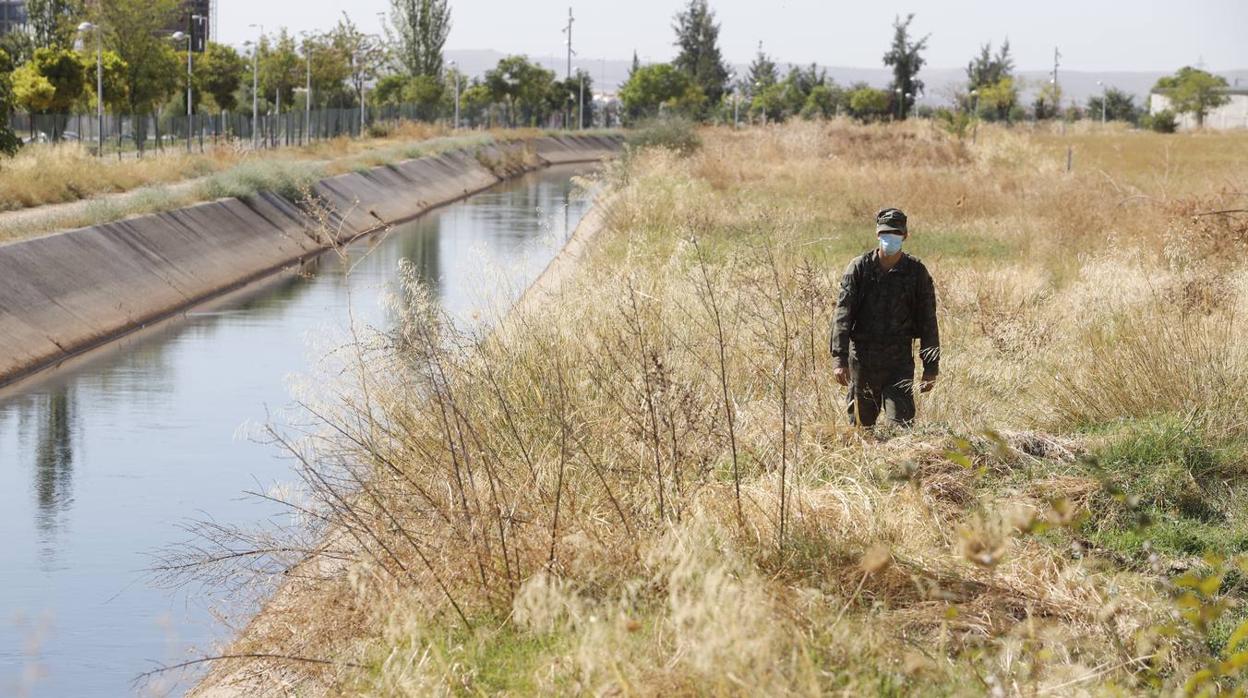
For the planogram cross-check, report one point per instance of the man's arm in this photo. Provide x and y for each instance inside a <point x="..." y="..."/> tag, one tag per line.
<point x="929" y="332"/>
<point x="843" y="320"/>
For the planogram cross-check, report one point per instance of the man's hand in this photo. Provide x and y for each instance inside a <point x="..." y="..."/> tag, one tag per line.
<point x="841" y="374"/>
<point x="928" y="382"/>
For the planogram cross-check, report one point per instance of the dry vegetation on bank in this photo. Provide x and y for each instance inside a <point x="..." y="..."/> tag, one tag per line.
<point x="42" y="175"/>
<point x="646" y="486"/>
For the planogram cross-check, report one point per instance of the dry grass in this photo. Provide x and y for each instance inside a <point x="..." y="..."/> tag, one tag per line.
<point x="646" y="487"/>
<point x="51" y="174"/>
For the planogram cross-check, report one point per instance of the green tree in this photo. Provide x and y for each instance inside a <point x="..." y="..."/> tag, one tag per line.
<point x="219" y="74"/>
<point x="330" y="70"/>
<point x="52" y="82"/>
<point x="906" y="58"/>
<point x="19" y="45"/>
<point x="523" y="87"/>
<point x="114" y="74"/>
<point x="9" y="142"/>
<point x="281" y="69"/>
<point x="569" y="93"/>
<point x="697" y="37"/>
<point x="420" y="31"/>
<point x="992" y="76"/>
<point x="635" y="65"/>
<point x="1047" y="104"/>
<point x="136" y="30"/>
<point x="762" y="73"/>
<point x="821" y="103"/>
<point x="475" y="103"/>
<point x="867" y="103"/>
<point x="53" y="23"/>
<point x="987" y="68"/>
<point x="1194" y="91"/>
<point x="364" y="53"/>
<point x="655" y="86"/>
<point x="1118" y="106"/>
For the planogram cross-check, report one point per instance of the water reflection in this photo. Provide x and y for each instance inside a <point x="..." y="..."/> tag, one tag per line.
<point x="54" y="460"/>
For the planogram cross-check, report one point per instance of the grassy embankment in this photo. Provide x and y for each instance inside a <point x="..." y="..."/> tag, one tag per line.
<point x="42" y="175"/>
<point x="646" y="486"/>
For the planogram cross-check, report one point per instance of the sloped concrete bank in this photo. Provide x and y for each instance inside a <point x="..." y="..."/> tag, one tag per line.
<point x="66" y="293"/>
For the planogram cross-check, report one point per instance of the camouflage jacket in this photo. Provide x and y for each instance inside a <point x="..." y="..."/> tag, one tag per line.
<point x="886" y="308"/>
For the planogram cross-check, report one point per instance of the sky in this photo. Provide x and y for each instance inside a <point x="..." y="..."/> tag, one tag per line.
<point x="1093" y="35"/>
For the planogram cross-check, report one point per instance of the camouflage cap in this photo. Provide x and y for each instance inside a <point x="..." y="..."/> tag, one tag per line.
<point x="890" y="220"/>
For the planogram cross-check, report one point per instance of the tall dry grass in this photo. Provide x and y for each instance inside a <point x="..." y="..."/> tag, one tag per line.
<point x="646" y="486"/>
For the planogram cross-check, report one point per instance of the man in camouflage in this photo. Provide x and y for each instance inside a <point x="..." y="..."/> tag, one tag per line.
<point x="887" y="300"/>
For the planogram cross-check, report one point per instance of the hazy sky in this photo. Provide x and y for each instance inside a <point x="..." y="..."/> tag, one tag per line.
<point x="1093" y="35"/>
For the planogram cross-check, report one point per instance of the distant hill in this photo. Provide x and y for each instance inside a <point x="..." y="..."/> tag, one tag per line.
<point x="941" y="83"/>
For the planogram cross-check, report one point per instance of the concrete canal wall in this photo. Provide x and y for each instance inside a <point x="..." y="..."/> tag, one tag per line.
<point x="65" y="293"/>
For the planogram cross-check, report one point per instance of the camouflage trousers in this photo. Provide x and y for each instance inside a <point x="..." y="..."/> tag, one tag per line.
<point x="881" y="378"/>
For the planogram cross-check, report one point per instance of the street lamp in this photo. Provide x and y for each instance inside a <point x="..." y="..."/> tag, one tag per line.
<point x="255" y="86"/>
<point x="1103" y="100"/>
<point x="732" y="79"/>
<point x="99" y="86"/>
<point x="307" y="97"/>
<point x="900" y="104"/>
<point x="455" y="77"/>
<point x="190" y="115"/>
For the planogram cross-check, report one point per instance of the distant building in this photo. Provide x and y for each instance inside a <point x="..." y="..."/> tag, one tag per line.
<point x="12" y="15"/>
<point x="200" y="30"/>
<point x="1233" y="114"/>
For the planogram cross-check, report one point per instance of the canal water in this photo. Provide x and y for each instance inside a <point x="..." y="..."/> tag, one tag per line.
<point x="103" y="461"/>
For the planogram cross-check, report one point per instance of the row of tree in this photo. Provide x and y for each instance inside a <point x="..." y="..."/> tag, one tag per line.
<point x="698" y="84"/>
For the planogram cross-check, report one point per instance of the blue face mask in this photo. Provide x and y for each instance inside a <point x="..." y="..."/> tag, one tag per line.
<point x="890" y="243"/>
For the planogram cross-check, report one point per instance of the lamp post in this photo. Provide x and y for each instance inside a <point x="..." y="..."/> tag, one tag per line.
<point x="307" y="96"/>
<point x="900" y="104"/>
<point x="732" y="79"/>
<point x="1103" y="100"/>
<point x="455" y="77"/>
<point x="99" y="87"/>
<point x="975" y="116"/>
<point x="190" y="114"/>
<point x="255" y="87"/>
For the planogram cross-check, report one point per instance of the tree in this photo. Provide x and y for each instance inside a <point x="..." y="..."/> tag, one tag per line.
<point x="53" y="23"/>
<point x="475" y="103"/>
<point x="114" y="74"/>
<point x="9" y="142"/>
<point x="219" y="74"/>
<point x="697" y="37"/>
<point x="635" y="65"/>
<point x="1047" y="104"/>
<point x="330" y="70"/>
<point x="987" y="69"/>
<point x="569" y="92"/>
<point x="762" y="72"/>
<point x="867" y="103"/>
<point x="136" y="30"/>
<point x="1194" y="91"/>
<point x="1118" y="106"/>
<point x="364" y="54"/>
<point x="421" y="27"/>
<point x="280" y="68"/>
<point x="51" y="83"/>
<point x="656" y="86"/>
<point x="19" y="45"/>
<point x="821" y="102"/>
<point x="905" y="56"/>
<point x="992" y="76"/>
<point x="522" y="86"/>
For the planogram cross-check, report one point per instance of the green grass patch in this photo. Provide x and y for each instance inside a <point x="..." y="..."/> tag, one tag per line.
<point x="1169" y="485"/>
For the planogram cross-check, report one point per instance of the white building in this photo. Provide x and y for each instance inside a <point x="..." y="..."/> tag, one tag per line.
<point x="1233" y="114"/>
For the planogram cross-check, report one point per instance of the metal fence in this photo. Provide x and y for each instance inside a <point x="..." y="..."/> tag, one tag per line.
<point x="120" y="134"/>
